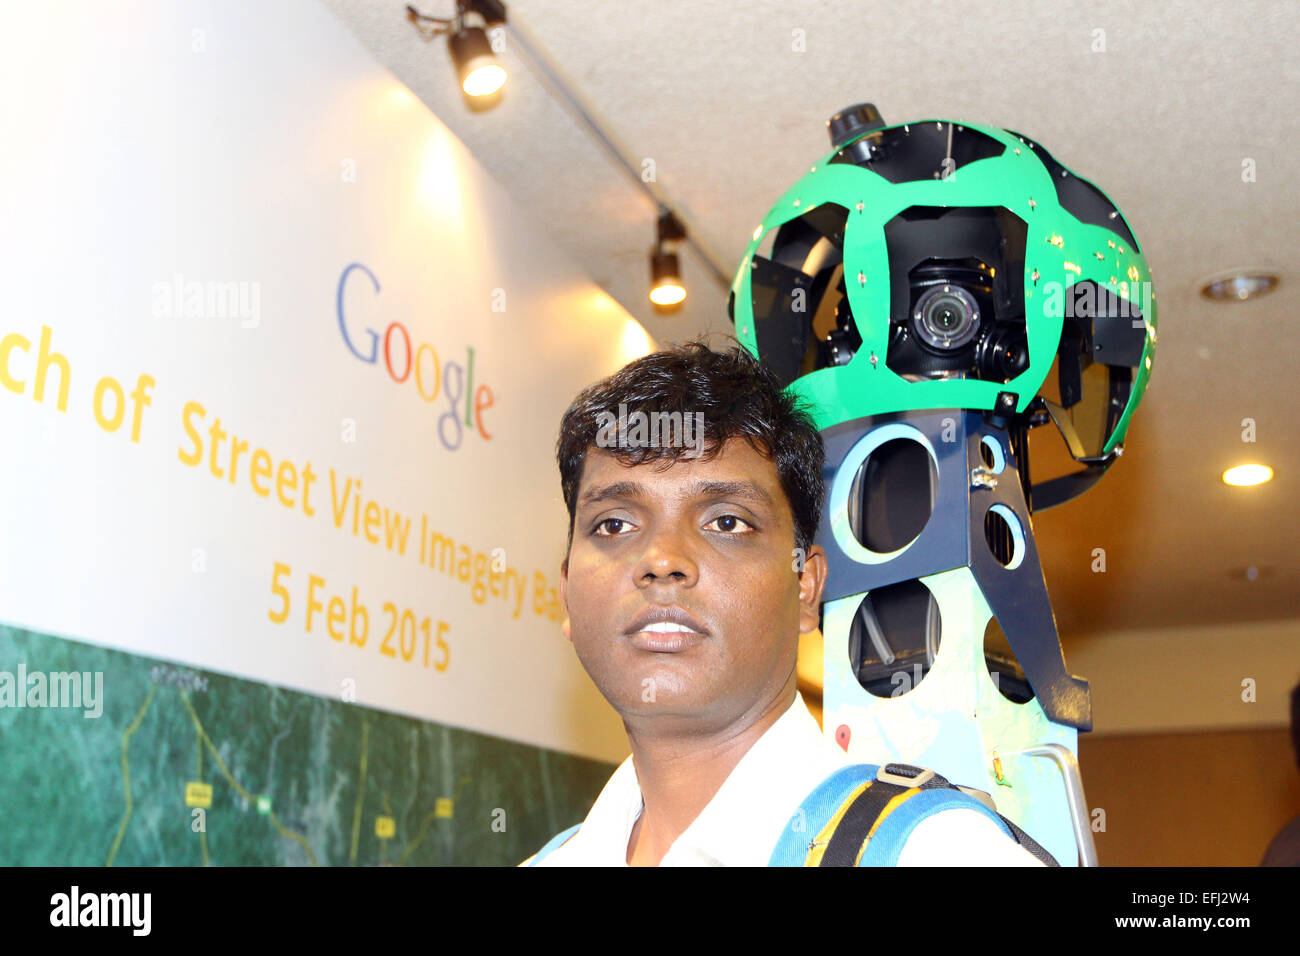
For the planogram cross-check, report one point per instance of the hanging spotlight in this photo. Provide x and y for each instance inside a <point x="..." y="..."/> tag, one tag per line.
<point x="665" y="272"/>
<point x="666" y="288"/>
<point x="476" y="65"/>
<point x="471" y="52"/>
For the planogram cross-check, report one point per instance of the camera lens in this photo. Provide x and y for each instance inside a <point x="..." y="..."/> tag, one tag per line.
<point x="946" y="317"/>
<point x="1003" y="353"/>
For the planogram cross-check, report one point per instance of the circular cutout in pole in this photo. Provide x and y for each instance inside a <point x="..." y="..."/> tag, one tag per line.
<point x="1003" y="667"/>
<point x="884" y="493"/>
<point x="992" y="454"/>
<point x="894" y="638"/>
<point x="1005" y="536"/>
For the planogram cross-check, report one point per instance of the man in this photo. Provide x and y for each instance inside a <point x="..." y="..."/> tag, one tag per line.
<point x="1284" y="849"/>
<point x="690" y="574"/>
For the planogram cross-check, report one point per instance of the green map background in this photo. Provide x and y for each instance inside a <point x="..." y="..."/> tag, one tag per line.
<point x="63" y="801"/>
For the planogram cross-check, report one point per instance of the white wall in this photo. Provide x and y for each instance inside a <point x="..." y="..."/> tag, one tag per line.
<point x="186" y="148"/>
<point x="1189" y="679"/>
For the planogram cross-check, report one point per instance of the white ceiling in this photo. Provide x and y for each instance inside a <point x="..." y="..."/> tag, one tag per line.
<point x="1161" y="120"/>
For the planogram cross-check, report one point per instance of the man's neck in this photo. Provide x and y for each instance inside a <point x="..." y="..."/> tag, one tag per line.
<point x="679" y="775"/>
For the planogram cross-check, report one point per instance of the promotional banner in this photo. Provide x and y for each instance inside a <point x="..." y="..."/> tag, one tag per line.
<point x="281" y="373"/>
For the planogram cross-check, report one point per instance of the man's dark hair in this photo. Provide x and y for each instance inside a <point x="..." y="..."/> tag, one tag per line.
<point x="737" y="396"/>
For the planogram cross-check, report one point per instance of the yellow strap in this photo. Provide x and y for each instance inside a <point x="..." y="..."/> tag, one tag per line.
<point x="817" y="849"/>
<point x="890" y="807"/>
<point x="818" y="846"/>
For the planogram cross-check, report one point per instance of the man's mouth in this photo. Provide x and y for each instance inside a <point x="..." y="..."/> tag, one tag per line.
<point x="665" y="630"/>
<point x="665" y="638"/>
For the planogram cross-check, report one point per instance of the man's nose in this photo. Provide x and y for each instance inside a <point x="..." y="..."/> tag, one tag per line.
<point x="667" y="557"/>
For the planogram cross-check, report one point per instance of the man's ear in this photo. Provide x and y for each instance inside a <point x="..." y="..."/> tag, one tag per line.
<point x="564" y="598"/>
<point x="812" y="580"/>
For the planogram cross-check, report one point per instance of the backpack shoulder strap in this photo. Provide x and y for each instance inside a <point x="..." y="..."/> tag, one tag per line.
<point x="906" y="796"/>
<point x="804" y="838"/>
<point x="554" y="842"/>
<point x="862" y="815"/>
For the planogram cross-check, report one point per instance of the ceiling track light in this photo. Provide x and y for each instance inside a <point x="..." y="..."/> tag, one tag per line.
<point x="477" y="69"/>
<point x="666" y="288"/>
<point x="535" y="57"/>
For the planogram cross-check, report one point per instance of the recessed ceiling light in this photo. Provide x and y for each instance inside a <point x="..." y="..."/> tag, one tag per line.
<point x="1239" y="286"/>
<point x="1251" y="474"/>
<point x="1251" y="573"/>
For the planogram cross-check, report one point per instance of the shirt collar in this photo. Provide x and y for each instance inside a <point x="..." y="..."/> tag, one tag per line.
<point x="741" y="823"/>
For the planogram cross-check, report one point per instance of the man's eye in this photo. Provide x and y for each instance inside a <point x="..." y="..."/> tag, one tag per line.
<point x="618" y="522"/>
<point x="730" y="523"/>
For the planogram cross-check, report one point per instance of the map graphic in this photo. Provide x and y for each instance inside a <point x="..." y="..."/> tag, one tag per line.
<point x="185" y="767"/>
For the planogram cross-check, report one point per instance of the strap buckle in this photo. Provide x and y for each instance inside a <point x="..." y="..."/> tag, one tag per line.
<point x="981" y="795"/>
<point x="898" y="774"/>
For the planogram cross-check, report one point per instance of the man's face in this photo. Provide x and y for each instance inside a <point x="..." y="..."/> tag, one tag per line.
<point x="713" y="539"/>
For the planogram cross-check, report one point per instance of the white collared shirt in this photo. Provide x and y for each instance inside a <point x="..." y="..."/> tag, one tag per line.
<point x="742" y="823"/>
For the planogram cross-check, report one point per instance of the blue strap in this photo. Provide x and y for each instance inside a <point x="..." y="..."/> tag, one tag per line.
<point x="829" y="796"/>
<point x="554" y="842"/>
<point x="885" y="846"/>
<point x="815" y="811"/>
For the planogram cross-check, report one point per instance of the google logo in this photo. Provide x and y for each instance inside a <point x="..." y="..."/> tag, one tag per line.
<point x="420" y="364"/>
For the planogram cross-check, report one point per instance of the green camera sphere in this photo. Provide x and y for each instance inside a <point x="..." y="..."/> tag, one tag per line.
<point x="941" y="264"/>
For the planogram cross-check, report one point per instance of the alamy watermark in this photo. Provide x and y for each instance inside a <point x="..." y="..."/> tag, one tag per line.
<point x="180" y="299"/>
<point x="655" y="430"/>
<point x="84" y="690"/>
<point x="75" y="908"/>
<point x="1132" y="300"/>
